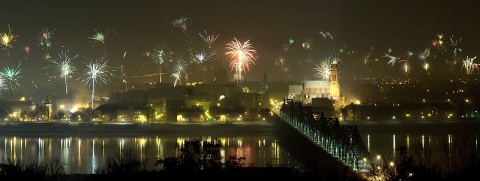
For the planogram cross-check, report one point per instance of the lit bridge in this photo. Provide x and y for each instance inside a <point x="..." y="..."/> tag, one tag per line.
<point x="342" y="142"/>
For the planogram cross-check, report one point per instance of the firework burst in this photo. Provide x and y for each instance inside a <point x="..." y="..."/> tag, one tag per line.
<point x="307" y="44"/>
<point x="209" y="39"/>
<point x="181" y="65"/>
<point x="391" y="59"/>
<point x="424" y="55"/>
<point x="326" y="35"/>
<point x="96" y="73"/>
<point x="438" y="43"/>
<point x="242" y="56"/>
<point x="26" y="49"/>
<point x="281" y="62"/>
<point x="101" y="38"/>
<point x="47" y="57"/>
<point x="7" y="39"/>
<point x="454" y="43"/>
<point x="10" y="78"/>
<point x="159" y="56"/>
<point x="179" y="69"/>
<point x="65" y="67"/>
<point x="45" y="37"/>
<point x="200" y="58"/>
<point x="181" y="23"/>
<point x="469" y="65"/>
<point x="323" y="69"/>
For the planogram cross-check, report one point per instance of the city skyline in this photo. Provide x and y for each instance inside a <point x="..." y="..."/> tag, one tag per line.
<point x="366" y="38"/>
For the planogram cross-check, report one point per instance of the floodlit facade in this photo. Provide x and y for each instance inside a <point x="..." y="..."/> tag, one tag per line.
<point x="319" y="89"/>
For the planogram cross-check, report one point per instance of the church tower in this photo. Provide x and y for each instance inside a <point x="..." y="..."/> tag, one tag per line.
<point x="47" y="110"/>
<point x="337" y="97"/>
<point x="334" y="85"/>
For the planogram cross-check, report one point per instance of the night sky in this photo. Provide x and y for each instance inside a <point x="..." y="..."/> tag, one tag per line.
<point x="357" y="28"/>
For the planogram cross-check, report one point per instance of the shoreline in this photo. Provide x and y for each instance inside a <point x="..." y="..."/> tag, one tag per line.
<point x="213" y="129"/>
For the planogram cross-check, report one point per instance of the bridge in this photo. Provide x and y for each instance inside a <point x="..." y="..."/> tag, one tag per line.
<point x="341" y="142"/>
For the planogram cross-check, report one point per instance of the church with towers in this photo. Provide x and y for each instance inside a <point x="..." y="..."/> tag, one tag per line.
<point x="320" y="93"/>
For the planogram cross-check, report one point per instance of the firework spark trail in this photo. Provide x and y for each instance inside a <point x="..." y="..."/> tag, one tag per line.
<point x="469" y="65"/>
<point x="10" y="78"/>
<point x="242" y="56"/>
<point x="65" y="67"/>
<point x="159" y="56"/>
<point x="426" y="66"/>
<point x="325" y="35"/>
<point x="97" y="72"/>
<point x="176" y="76"/>
<point x="406" y="64"/>
<point x="454" y="43"/>
<point x="366" y="57"/>
<point x="392" y="59"/>
<point x="7" y="39"/>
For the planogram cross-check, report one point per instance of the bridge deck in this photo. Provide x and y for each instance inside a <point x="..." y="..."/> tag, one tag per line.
<point x="342" y="142"/>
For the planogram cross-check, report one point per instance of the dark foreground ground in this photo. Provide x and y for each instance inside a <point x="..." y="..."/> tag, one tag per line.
<point x="277" y="173"/>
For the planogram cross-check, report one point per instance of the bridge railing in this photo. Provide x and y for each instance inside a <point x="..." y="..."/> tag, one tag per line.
<point x="342" y="142"/>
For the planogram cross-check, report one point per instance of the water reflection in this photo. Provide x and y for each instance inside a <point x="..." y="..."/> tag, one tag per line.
<point x="88" y="154"/>
<point x="426" y="148"/>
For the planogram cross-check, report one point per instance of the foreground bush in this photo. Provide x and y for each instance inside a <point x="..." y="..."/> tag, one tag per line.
<point x="14" y="169"/>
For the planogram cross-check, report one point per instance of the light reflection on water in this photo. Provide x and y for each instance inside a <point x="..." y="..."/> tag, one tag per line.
<point x="88" y="154"/>
<point x="434" y="148"/>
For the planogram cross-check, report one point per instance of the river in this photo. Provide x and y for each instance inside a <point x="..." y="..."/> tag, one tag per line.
<point x="438" y="143"/>
<point x="83" y="149"/>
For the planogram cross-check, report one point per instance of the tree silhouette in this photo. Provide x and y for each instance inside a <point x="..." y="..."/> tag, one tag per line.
<point x="195" y="155"/>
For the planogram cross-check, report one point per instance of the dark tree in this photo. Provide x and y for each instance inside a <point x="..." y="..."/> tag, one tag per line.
<point x="195" y="155"/>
